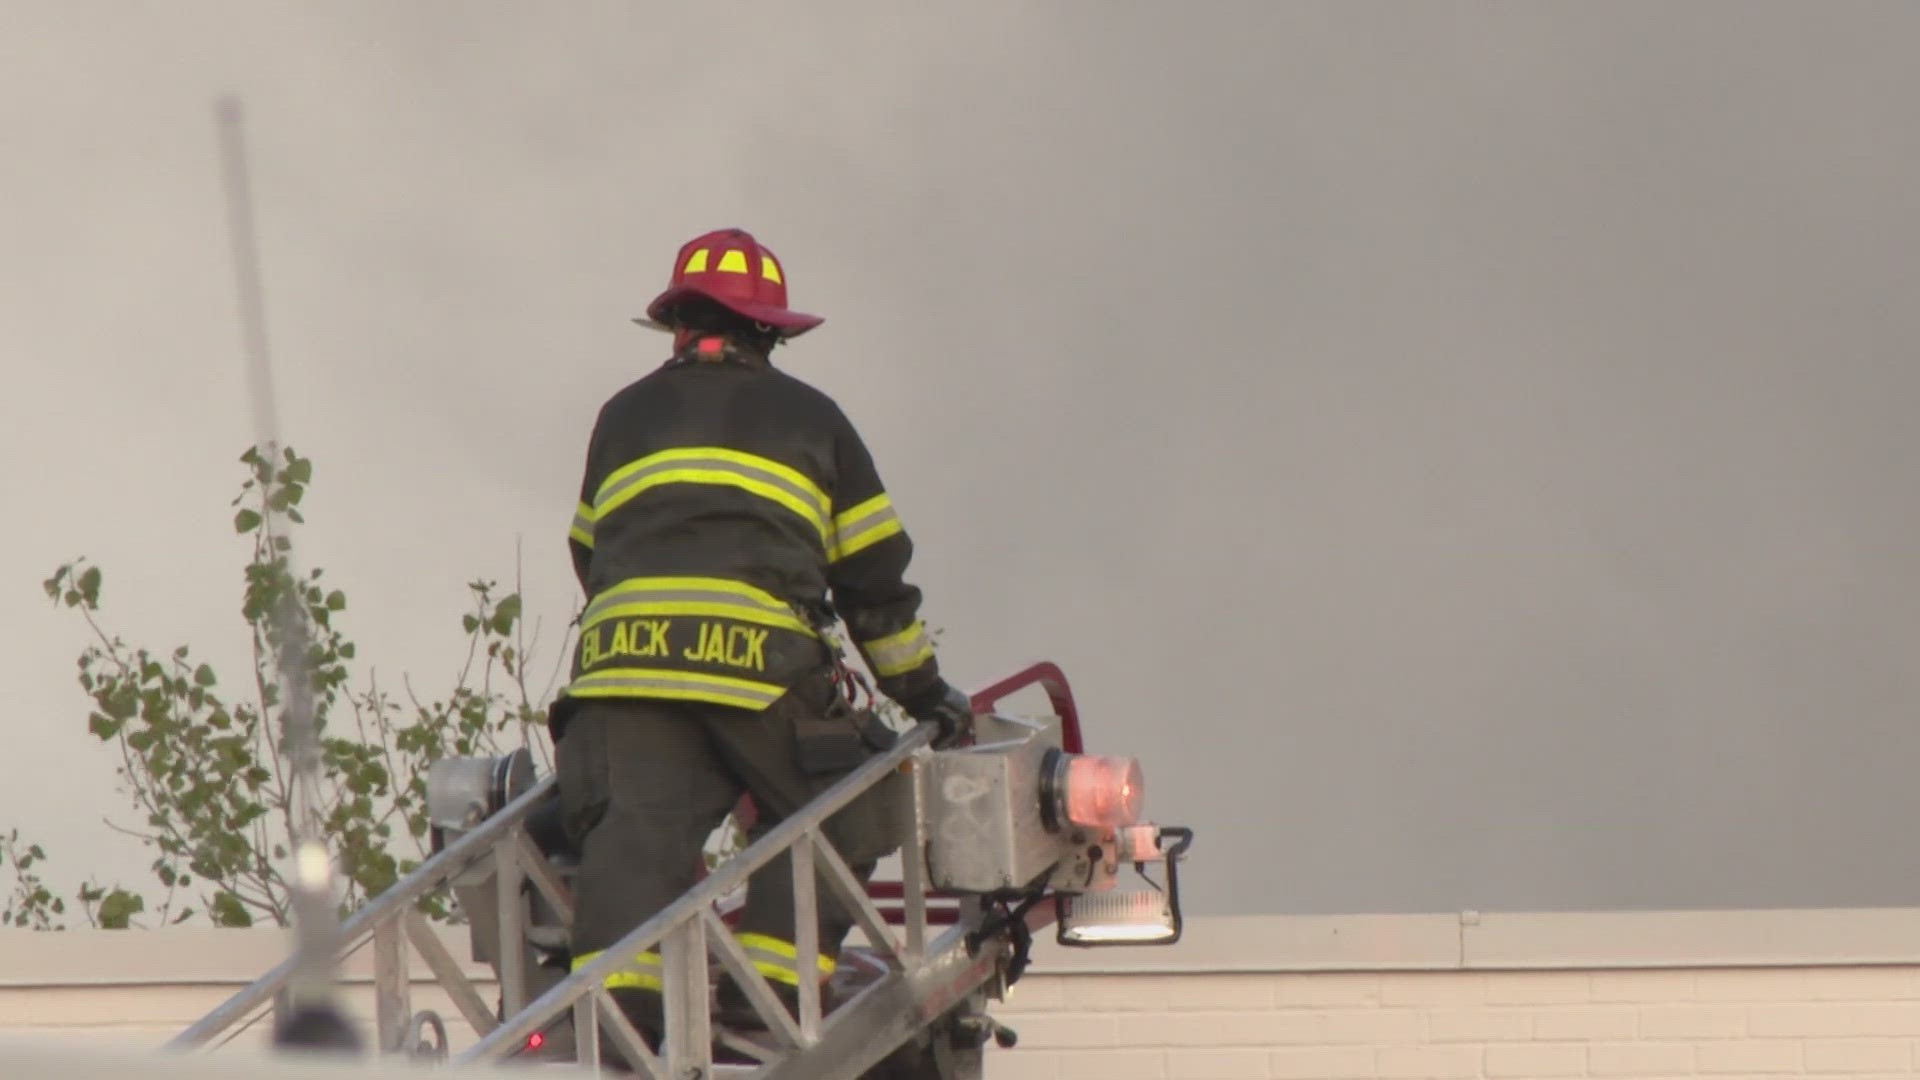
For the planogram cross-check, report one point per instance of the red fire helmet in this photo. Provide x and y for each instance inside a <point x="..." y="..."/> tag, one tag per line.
<point x="731" y="268"/>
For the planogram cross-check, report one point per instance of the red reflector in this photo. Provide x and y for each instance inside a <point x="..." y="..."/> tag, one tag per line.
<point x="536" y="1040"/>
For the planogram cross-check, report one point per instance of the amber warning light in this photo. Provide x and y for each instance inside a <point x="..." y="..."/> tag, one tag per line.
<point x="1090" y="791"/>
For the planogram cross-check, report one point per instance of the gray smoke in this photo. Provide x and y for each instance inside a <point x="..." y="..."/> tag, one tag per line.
<point x="1462" y="449"/>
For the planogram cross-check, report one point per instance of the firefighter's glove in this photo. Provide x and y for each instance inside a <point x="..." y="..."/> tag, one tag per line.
<point x="952" y="710"/>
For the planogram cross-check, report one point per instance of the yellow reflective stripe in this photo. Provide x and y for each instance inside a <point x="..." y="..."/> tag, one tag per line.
<point x="785" y="474"/>
<point x="696" y="262"/>
<point x="901" y="652"/>
<point x="677" y="685"/>
<point x="700" y="596"/>
<point x="582" y="530"/>
<point x="752" y="473"/>
<point x="863" y="526"/>
<point x="739" y="589"/>
<point x="734" y="261"/>
<point x="779" y="959"/>
<point x="643" y="974"/>
<point x="637" y="608"/>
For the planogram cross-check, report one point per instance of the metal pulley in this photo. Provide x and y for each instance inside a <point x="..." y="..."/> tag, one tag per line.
<point x="463" y="792"/>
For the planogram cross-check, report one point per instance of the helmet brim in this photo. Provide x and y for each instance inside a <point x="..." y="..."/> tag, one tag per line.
<point x="788" y="323"/>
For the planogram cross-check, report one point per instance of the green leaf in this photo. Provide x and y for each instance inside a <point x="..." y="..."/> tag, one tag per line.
<point x="90" y="585"/>
<point x="118" y="909"/>
<point x="336" y="601"/>
<point x="246" y="521"/>
<point x="301" y="470"/>
<point x="229" y="911"/>
<point x="122" y="703"/>
<point x="203" y="676"/>
<point x="509" y="607"/>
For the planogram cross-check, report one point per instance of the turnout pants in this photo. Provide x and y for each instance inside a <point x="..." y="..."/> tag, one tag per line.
<point x="644" y="782"/>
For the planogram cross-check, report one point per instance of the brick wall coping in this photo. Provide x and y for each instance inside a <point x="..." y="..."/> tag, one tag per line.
<point x="1261" y="943"/>
<point x="67" y="1057"/>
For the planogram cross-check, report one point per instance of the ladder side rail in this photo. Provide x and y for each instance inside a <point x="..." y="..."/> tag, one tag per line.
<point x="390" y="906"/>
<point x="588" y="978"/>
<point x="913" y="877"/>
<point x="899" y="1005"/>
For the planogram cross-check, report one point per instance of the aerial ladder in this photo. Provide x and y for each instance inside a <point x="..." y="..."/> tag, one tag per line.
<point x="1019" y="831"/>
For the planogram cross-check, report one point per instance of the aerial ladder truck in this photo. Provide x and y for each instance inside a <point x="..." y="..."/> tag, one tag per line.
<point x="1021" y="830"/>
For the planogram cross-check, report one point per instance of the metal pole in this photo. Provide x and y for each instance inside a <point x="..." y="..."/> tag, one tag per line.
<point x="512" y="922"/>
<point x="689" y="1044"/>
<point x="586" y="1032"/>
<point x="913" y="877"/>
<point x="806" y="936"/>
<point x="313" y="1018"/>
<point x="392" y="992"/>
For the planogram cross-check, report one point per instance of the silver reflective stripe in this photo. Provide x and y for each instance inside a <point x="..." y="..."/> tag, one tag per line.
<point x="640" y="595"/>
<point x="867" y="522"/>
<point x="582" y="522"/>
<point x="768" y="956"/>
<point x="899" y="655"/>
<point x="615" y="493"/>
<point x="751" y="692"/>
<point x="642" y="963"/>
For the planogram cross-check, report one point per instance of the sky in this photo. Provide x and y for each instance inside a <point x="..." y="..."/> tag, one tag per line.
<point x="1462" y="449"/>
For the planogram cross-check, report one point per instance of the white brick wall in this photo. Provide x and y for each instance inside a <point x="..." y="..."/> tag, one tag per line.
<point x="1798" y="1021"/>
<point x="1787" y="994"/>
<point x="1838" y="1022"/>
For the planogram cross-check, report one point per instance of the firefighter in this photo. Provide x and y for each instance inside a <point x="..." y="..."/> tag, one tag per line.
<point x="729" y="512"/>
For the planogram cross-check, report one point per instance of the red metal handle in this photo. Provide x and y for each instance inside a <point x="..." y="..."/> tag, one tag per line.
<point x="1048" y="676"/>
